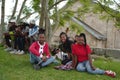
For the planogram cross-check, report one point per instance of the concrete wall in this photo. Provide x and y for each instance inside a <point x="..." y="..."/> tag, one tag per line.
<point x="115" y="53"/>
<point x="117" y="39"/>
<point x="106" y="28"/>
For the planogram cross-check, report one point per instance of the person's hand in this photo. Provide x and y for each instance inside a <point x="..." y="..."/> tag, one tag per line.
<point x="39" y="57"/>
<point x="73" y="67"/>
<point x="58" y="50"/>
<point x="44" y="58"/>
<point x="93" y="67"/>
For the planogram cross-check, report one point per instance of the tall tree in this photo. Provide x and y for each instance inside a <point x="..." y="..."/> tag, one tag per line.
<point x="2" y="20"/>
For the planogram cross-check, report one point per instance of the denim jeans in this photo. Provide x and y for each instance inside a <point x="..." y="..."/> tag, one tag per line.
<point x="21" y="43"/>
<point x="34" y="58"/>
<point x="85" y="66"/>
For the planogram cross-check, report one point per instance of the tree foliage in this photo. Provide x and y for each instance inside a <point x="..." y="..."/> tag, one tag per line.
<point x="75" y="27"/>
<point x="36" y="5"/>
<point x="101" y="7"/>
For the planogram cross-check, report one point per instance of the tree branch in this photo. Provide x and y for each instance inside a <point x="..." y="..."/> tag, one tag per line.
<point x="27" y="16"/>
<point x="116" y="3"/>
<point x="105" y="9"/>
<point x="56" y="4"/>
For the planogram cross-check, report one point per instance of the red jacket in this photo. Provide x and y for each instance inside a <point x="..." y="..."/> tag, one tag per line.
<point x="35" y="47"/>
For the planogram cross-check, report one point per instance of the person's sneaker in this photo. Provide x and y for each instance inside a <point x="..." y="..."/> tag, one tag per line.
<point x="36" y="66"/>
<point x="8" y="49"/>
<point x="21" y="52"/>
<point x="110" y="73"/>
<point x="13" y="52"/>
<point x="17" y="52"/>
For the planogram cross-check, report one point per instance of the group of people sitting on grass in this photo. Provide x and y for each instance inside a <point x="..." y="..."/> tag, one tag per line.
<point x="75" y="54"/>
<point x="19" y="37"/>
<point x="72" y="54"/>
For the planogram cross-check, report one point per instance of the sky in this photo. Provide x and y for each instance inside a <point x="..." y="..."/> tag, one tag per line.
<point x="10" y="4"/>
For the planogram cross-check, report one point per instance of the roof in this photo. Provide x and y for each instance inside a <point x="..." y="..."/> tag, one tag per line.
<point x="88" y="28"/>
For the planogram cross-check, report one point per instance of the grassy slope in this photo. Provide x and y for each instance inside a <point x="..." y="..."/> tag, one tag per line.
<point x="17" y="67"/>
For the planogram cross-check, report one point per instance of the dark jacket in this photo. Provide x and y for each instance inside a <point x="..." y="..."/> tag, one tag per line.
<point x="66" y="47"/>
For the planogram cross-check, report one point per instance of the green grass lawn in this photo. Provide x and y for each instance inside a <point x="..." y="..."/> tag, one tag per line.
<point x="17" y="67"/>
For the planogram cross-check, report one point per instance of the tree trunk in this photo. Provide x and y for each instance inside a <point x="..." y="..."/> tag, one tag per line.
<point x="27" y="16"/>
<point x="56" y="20"/>
<point x="2" y="20"/>
<point x="57" y="2"/>
<point x="14" y="10"/>
<point x="47" y="23"/>
<point x="42" y="17"/>
<point x="23" y="4"/>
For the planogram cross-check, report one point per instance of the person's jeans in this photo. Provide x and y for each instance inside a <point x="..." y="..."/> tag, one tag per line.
<point x="85" y="66"/>
<point x="34" y="58"/>
<point x="21" y="43"/>
<point x="15" y="42"/>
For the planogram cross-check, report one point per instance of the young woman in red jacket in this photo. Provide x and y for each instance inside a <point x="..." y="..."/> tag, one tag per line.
<point x="39" y="52"/>
<point x="83" y="52"/>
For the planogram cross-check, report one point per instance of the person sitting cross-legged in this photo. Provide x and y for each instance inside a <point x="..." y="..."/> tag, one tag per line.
<point x="39" y="52"/>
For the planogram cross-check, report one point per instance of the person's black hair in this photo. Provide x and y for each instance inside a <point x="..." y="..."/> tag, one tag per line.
<point x="41" y="31"/>
<point x="84" y="36"/>
<point x="75" y="37"/>
<point x="25" y="24"/>
<point x="63" y="33"/>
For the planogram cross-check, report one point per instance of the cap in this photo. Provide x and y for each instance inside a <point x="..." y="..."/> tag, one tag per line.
<point x="12" y="20"/>
<point x="32" y="21"/>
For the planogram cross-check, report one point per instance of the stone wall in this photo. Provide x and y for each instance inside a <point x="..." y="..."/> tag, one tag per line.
<point x="106" y="28"/>
<point x="115" y="53"/>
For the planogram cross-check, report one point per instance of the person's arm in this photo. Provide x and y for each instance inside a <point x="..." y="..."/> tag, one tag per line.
<point x="89" y="57"/>
<point x="33" y="50"/>
<point x="74" y="61"/>
<point x="74" y="57"/>
<point x="69" y="55"/>
<point x="47" y="51"/>
<point x="90" y="60"/>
